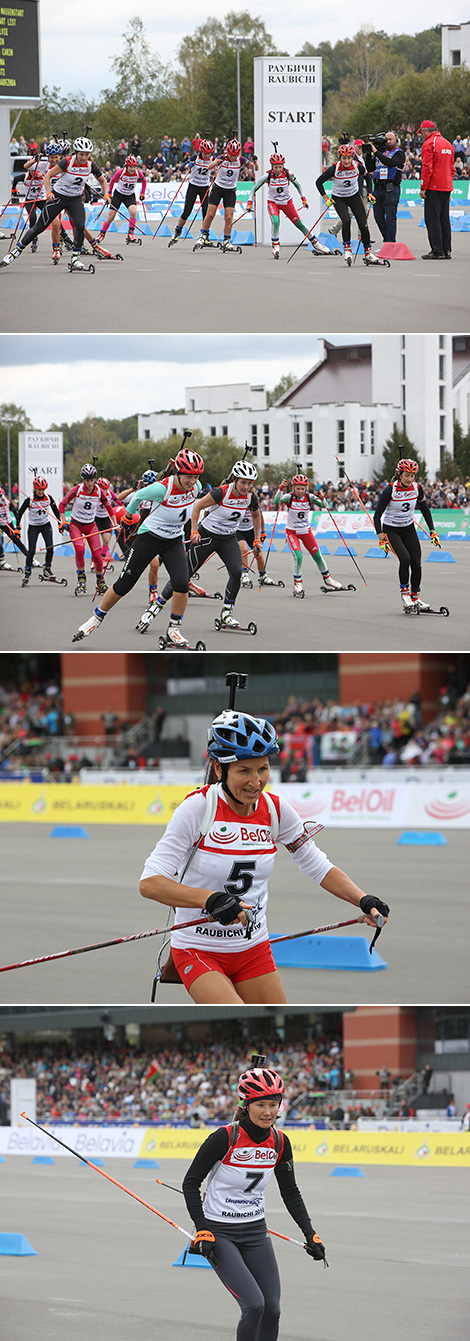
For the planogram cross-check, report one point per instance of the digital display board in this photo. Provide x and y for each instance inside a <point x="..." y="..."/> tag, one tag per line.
<point x="19" y="52"/>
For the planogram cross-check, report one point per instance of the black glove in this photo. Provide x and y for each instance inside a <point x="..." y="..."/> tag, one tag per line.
<point x="204" y="1243"/>
<point x="316" y="1249"/>
<point x="223" y="907"/>
<point x="368" y="902"/>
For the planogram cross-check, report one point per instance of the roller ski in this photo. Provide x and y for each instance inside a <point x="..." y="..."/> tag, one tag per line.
<point x="26" y="578"/>
<point x="194" y="590"/>
<point x="56" y="255"/>
<point x="100" y="587"/>
<point x="153" y="609"/>
<point x="227" y="245"/>
<point x="276" y="251"/>
<point x="102" y="252"/>
<point x="203" y="241"/>
<point x="5" y="567"/>
<point x="265" y="581"/>
<point x="88" y="627"/>
<point x="245" y="581"/>
<point x="298" y="588"/>
<point x="48" y="576"/>
<point x="227" y="621"/>
<point x="176" y="237"/>
<point x="370" y="259"/>
<point x="348" y="253"/>
<point x="174" y="638"/>
<point x="77" y="265"/>
<point x="34" y="246"/>
<point x="330" y="584"/>
<point x="319" y="248"/>
<point x="413" y="605"/>
<point x="132" y="241"/>
<point x="11" y="256"/>
<point x="80" y="589"/>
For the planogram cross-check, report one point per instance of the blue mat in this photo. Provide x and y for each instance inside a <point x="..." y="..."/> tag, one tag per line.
<point x="328" y="952"/>
<point x="342" y="549"/>
<point x="374" y="552"/>
<point x="68" y="831"/>
<point x="15" y="1245"/>
<point x="347" y="1171"/>
<point x="440" y="556"/>
<point x="421" y="838"/>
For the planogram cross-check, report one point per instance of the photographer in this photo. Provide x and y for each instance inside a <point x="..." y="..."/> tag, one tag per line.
<point x="385" y="160"/>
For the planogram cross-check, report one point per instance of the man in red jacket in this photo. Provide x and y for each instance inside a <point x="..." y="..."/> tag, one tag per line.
<point x="437" y="169"/>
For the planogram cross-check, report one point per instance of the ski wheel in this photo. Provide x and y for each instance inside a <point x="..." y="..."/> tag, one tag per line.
<point x="248" y="584"/>
<point x="239" y="249"/>
<point x="252" y="628"/>
<point x="162" y="642"/>
<point x="200" y="647"/>
<point x="218" y="596"/>
<point x="63" y="582"/>
<point x="351" y="587"/>
<point x="443" y="610"/>
<point x="281" y="584"/>
<point x="387" y="263"/>
<point x="217" y="624"/>
<point x="91" y="269"/>
<point x="119" y="257"/>
<point x="337" y="251"/>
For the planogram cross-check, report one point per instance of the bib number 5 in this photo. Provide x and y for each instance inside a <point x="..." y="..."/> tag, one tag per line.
<point x="240" y="878"/>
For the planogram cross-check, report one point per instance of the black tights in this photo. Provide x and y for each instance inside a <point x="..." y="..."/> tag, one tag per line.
<point x="251" y="1275"/>
<point x="404" y="540"/>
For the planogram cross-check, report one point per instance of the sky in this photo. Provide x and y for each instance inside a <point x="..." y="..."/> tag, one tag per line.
<point x="71" y="61"/>
<point x="62" y="378"/>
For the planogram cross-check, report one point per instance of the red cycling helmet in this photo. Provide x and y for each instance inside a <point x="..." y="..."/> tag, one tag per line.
<point x="131" y="162"/>
<point x="233" y="148"/>
<point x="103" y="483"/>
<point x="188" y="462"/>
<point x="300" y="479"/>
<point x="206" y="147"/>
<point x="347" y="149"/>
<point x="260" y="1084"/>
<point x="277" y="160"/>
<point x="407" y="464"/>
<point x="40" y="483"/>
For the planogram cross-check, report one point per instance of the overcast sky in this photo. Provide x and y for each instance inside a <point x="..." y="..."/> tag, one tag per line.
<point x="62" y="378"/>
<point x="78" y="40"/>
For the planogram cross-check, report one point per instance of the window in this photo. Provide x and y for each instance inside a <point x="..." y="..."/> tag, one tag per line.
<point x="403" y="396"/>
<point x="442" y="427"/>
<point x="442" y="392"/>
<point x="403" y="367"/>
<point x="442" y="368"/>
<point x="372" y="438"/>
<point x="254" y="435"/>
<point x="455" y="57"/>
<point x="266" y="434"/>
<point x="146" y="433"/>
<point x="403" y="422"/>
<point x="441" y="342"/>
<point x="224" y="431"/>
<point x="403" y="341"/>
<point x="192" y="405"/>
<point x="173" y="432"/>
<point x="266" y="449"/>
<point x="296" y="428"/>
<point x="309" y="438"/>
<point x="212" y="430"/>
<point x="254" y="451"/>
<point x="363" y="437"/>
<point x="340" y="436"/>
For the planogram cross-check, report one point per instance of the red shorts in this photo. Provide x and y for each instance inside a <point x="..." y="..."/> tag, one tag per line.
<point x="237" y="966"/>
<point x="286" y="206"/>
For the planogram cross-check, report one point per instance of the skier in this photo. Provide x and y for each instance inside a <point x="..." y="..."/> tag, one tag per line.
<point x="299" y="503"/>
<point x="278" y="181"/>
<point x="68" y="176"/>
<point x="39" y="525"/>
<point x="200" y="165"/>
<point x="10" y="528"/>
<point x="160" y="533"/>
<point x="238" y="1161"/>
<point x="85" y="498"/>
<point x="233" y="817"/>
<point x="224" y="188"/>
<point x="122" y="190"/>
<point x="346" y="195"/>
<point x="394" y="523"/>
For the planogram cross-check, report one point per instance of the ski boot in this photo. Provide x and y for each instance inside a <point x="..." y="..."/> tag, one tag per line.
<point x="348" y="253"/>
<point x="276" y="250"/>
<point x="56" y="255"/>
<point x="99" y="250"/>
<point x="245" y="580"/>
<point x="27" y="575"/>
<point x="76" y="263"/>
<point x="370" y="259"/>
<point x="418" y="603"/>
<point x="202" y="241"/>
<point x="266" y="581"/>
<point x="298" y="588"/>
<point x="34" y="245"/>
<point x="11" y="255"/>
<point x="80" y="589"/>
<point x="174" y="636"/>
<point x="4" y="566"/>
<point x="88" y="627"/>
<point x="48" y="576"/>
<point x="100" y="585"/>
<point x="319" y="247"/>
<point x="407" y="602"/>
<point x="153" y="593"/>
<point x="227" y="245"/>
<point x="133" y="241"/>
<point x="226" y="617"/>
<point x="331" y="583"/>
<point x="176" y="237"/>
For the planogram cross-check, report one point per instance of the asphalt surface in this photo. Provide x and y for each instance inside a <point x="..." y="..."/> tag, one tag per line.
<point x="397" y="1244"/>
<point x="172" y="290"/>
<point x="58" y="894"/>
<point x="45" y="617"/>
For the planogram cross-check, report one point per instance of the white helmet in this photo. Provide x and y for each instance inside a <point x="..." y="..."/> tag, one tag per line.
<point x="82" y="145"/>
<point x="244" y="470"/>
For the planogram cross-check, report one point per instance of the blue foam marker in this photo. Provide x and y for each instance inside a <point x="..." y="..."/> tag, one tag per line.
<point x="440" y="556"/>
<point x="186" y="1259"/>
<point x="15" y="1245"/>
<point x="43" y="1159"/>
<point x="347" y="1171"/>
<point x="324" y="548"/>
<point x="2" y="1160"/>
<point x="421" y="838"/>
<point x="146" y="1164"/>
<point x="404" y="214"/>
<point x="327" y="952"/>
<point x="374" y="552"/>
<point x="68" y="831"/>
<point x="343" y="550"/>
<point x="330" y="241"/>
<point x="99" y="1163"/>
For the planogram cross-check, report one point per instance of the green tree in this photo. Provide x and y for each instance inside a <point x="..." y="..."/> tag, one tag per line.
<point x="461" y="457"/>
<point x="140" y="75"/>
<point x="207" y="86"/>
<point x="284" y="384"/>
<point x="20" y="421"/>
<point x="397" y="446"/>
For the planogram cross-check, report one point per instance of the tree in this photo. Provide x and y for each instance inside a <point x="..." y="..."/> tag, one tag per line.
<point x="19" y="424"/>
<point x="139" y="71"/>
<point x="281" y="387"/>
<point x="461" y="458"/>
<point x="397" y="446"/>
<point x="207" y="86"/>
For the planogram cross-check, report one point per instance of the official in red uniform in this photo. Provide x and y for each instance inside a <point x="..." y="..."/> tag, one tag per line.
<point x="437" y="170"/>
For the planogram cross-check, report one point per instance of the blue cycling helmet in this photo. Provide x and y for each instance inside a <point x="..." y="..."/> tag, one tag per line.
<point x="149" y="477"/>
<point x="237" y="735"/>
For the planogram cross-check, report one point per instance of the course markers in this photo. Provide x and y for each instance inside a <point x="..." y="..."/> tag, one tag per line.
<point x="146" y="1164"/>
<point x="336" y="952"/>
<point x="187" y="1259"/>
<point x="15" y="1245"/>
<point x="347" y="1171"/>
<point x="440" y="556"/>
<point x="421" y="838"/>
<point x="68" y="831"/>
<point x="43" y="1159"/>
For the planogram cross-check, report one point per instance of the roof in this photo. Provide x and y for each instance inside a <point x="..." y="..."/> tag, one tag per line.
<point x="344" y="375"/>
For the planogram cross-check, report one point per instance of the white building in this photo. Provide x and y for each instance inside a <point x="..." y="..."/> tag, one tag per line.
<point x="455" y="46"/>
<point x="345" y="407"/>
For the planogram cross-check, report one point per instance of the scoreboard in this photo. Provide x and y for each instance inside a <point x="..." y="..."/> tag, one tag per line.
<point x="20" y="76"/>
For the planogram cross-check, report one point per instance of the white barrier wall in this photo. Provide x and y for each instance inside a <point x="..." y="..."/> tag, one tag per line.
<point x="288" y="109"/>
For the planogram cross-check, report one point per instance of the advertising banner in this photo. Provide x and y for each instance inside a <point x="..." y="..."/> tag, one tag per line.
<point x="92" y="1142"/>
<point x="449" y="522"/>
<point x="41" y="454"/>
<point x="93" y="805"/>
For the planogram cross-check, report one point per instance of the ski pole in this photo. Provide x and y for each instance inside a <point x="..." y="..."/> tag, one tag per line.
<point x="101" y="945"/>
<point x="11" y="201"/>
<point x="108" y="1176"/>
<point x="274" y="1232"/>
<point x="272" y="533"/>
<point x="351" y="555"/>
<point x="379" y="921"/>
<point x="172" y="201"/>
<point x="358" y="496"/>
<point x="306" y="235"/>
<point x="201" y="202"/>
<point x="25" y="202"/>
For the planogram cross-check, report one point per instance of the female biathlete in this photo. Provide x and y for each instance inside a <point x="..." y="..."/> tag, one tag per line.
<point x="227" y="831"/>
<point x="122" y="189"/>
<point x="346" y="197"/>
<point x="224" y="189"/>
<point x="39" y="525"/>
<point x="217" y="533"/>
<point x="394" y="523"/>
<point x="85" y="499"/>
<point x="278" y="181"/>
<point x="68" y="179"/>
<point x="200" y="167"/>
<point x="238" y="1161"/>
<point x="160" y="533"/>
<point x="299" y="503"/>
